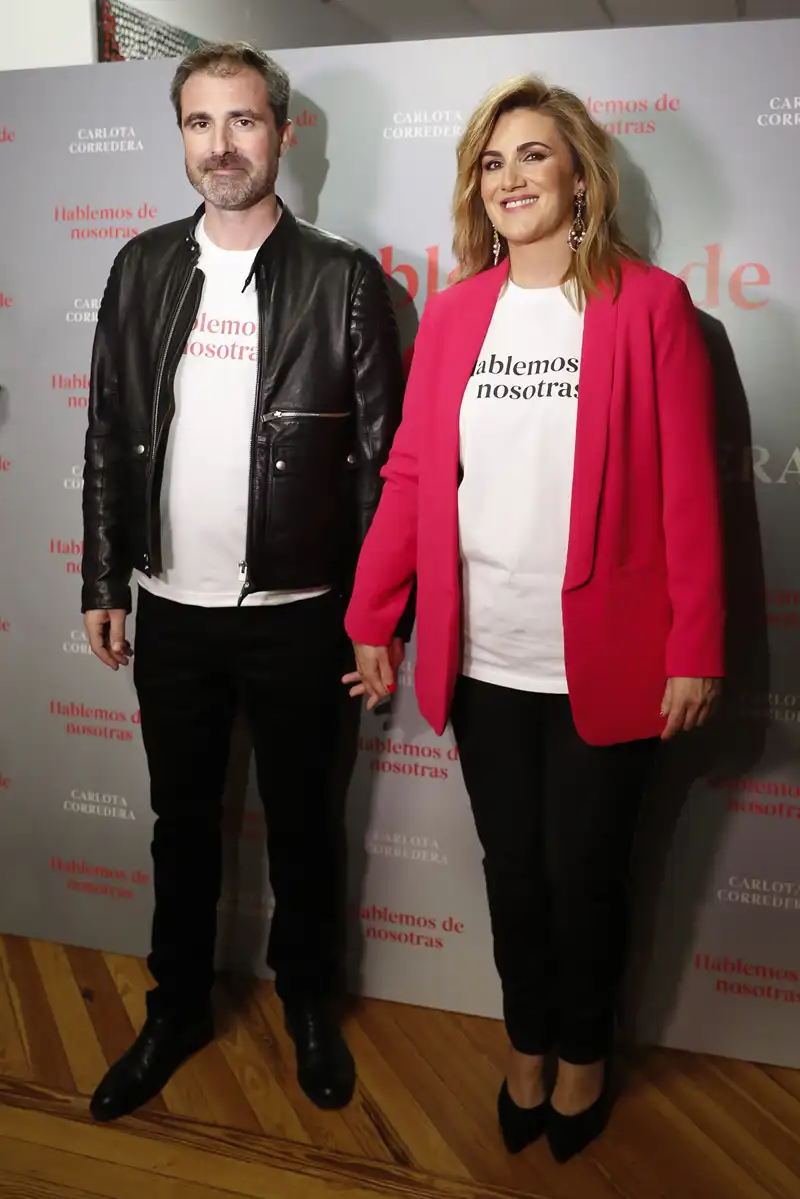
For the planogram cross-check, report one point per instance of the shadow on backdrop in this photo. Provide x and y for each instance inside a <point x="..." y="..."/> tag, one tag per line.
<point x="352" y="201"/>
<point x="305" y="166"/>
<point x="246" y="905"/>
<point x="671" y="829"/>
<point x="729" y="747"/>
<point x="638" y="211"/>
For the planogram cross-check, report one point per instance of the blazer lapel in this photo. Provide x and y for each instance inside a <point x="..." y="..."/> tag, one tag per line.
<point x="468" y="333"/>
<point x="591" y="438"/>
<point x="474" y="319"/>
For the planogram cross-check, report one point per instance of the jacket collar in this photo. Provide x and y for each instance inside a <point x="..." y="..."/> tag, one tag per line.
<point x="275" y="244"/>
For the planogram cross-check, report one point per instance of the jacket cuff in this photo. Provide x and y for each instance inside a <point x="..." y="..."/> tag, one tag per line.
<point x="105" y="596"/>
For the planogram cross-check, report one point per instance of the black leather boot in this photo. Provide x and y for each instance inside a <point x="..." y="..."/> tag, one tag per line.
<point x="162" y="1046"/>
<point x="325" y="1067"/>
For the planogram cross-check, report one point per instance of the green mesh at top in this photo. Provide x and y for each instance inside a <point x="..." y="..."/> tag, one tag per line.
<point x="124" y="33"/>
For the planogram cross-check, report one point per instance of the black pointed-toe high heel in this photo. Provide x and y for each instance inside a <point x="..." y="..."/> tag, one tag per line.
<point x="568" y="1136"/>
<point x="520" y="1126"/>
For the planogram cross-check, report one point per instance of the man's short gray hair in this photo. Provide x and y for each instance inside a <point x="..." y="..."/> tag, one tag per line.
<point x="228" y="58"/>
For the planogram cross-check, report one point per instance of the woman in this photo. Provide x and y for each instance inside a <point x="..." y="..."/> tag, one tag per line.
<point x="553" y="492"/>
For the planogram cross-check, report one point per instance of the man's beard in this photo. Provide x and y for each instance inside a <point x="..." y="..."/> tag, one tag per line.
<point x="236" y="192"/>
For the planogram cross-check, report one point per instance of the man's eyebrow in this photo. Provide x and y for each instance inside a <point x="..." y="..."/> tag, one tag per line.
<point x="234" y="113"/>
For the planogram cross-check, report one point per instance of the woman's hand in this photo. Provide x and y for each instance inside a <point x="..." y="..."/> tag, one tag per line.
<point x="376" y="671"/>
<point x="687" y="704"/>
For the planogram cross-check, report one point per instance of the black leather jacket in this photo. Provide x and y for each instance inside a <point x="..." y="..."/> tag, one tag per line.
<point x="327" y="405"/>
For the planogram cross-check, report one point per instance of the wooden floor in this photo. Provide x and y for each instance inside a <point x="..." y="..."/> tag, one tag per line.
<point x="233" y="1122"/>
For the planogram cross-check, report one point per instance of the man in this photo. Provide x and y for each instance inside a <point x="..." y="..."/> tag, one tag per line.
<point x="246" y="386"/>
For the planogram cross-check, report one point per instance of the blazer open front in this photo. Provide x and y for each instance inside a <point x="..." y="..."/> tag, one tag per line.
<point x="642" y="598"/>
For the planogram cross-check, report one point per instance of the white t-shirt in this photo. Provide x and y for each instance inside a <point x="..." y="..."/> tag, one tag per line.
<point x="517" y="432"/>
<point x="205" y="486"/>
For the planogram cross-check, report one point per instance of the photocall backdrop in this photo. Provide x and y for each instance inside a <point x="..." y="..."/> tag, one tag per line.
<point x="707" y="125"/>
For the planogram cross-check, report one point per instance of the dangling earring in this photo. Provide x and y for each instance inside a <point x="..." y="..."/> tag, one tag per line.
<point x="578" y="230"/>
<point x="495" y="246"/>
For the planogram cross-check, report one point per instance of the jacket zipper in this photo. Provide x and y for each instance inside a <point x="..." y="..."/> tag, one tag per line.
<point x="154" y="428"/>
<point x="243" y="567"/>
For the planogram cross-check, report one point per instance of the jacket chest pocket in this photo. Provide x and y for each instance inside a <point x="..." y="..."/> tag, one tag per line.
<point x="309" y="443"/>
<point x="310" y="497"/>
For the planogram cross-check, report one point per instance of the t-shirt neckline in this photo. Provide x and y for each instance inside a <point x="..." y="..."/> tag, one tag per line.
<point x="210" y="247"/>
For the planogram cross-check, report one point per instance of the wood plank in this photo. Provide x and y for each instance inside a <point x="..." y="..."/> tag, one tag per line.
<point x="48" y="1059"/>
<point x="27" y="1186"/>
<point x="471" y="1082"/>
<point x="769" y="1154"/>
<point x="646" y="1154"/>
<point x="112" y="1025"/>
<point x="234" y="1162"/>
<point x="326" y="1129"/>
<point x="39" y="1172"/>
<point x="648" y="1116"/>
<point x="423" y="1121"/>
<point x="487" y="1037"/>
<point x="273" y="1111"/>
<point x="131" y="981"/>
<point x="183" y="1095"/>
<point x="470" y="1075"/>
<point x="86" y="1059"/>
<point x="14" y="1056"/>
<point x="427" y="1148"/>
<point x="207" y="1088"/>
<point x="473" y="1142"/>
<point x="763" y="1090"/>
<point x="228" y="1103"/>
<point x="788" y="1079"/>
<point x="376" y="1136"/>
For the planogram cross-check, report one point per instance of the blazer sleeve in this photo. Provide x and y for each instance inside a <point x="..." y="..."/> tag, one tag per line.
<point x="387" y="566"/>
<point x="691" y="493"/>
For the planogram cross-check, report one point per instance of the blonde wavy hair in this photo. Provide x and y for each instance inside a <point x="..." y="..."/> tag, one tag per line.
<point x="598" y="261"/>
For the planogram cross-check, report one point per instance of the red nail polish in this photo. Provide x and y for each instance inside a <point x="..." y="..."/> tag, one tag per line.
<point x="391" y="688"/>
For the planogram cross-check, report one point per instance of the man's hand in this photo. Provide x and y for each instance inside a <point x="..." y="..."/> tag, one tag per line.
<point x="105" y="629"/>
<point x="687" y="704"/>
<point x="376" y="671"/>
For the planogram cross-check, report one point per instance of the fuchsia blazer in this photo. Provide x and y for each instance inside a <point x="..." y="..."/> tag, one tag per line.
<point x="642" y="598"/>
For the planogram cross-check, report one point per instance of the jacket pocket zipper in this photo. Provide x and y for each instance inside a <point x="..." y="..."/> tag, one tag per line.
<point x="291" y="415"/>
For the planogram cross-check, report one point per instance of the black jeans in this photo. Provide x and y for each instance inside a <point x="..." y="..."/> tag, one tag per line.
<point x="192" y="668"/>
<point x="556" y="818"/>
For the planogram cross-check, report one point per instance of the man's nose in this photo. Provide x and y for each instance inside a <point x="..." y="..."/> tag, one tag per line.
<point x="222" y="141"/>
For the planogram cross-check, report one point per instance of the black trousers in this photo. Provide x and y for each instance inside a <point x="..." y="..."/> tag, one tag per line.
<point x="192" y="668"/>
<point x="556" y="818"/>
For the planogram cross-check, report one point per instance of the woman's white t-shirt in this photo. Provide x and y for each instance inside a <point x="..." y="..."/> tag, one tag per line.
<point x="517" y="444"/>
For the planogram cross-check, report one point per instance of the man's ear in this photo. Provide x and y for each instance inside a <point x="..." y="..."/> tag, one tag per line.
<point x="287" y="137"/>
